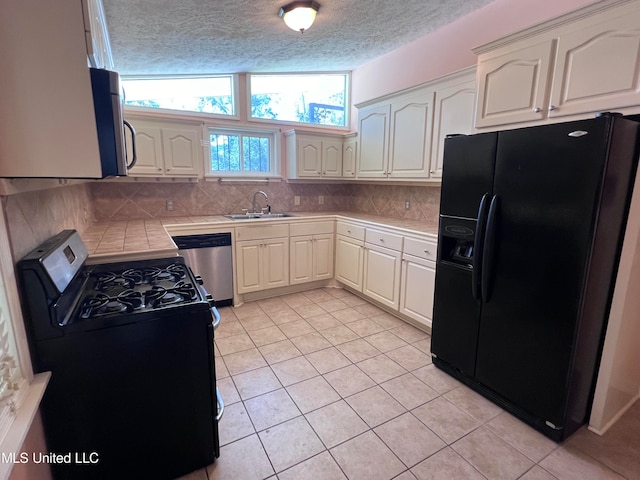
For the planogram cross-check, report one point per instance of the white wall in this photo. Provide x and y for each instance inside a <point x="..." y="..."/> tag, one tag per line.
<point x="618" y="385"/>
<point x="449" y="49"/>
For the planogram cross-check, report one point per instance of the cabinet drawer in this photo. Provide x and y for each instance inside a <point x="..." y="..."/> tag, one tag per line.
<point x="310" y="228"/>
<point x="384" y="239"/>
<point x="350" y="230"/>
<point x="421" y="248"/>
<point x="258" y="232"/>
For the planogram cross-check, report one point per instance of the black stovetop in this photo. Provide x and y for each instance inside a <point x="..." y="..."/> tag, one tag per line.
<point x="132" y="287"/>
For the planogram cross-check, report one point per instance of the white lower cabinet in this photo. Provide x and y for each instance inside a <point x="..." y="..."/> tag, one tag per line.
<point x="311" y="258"/>
<point x="262" y="264"/>
<point x="262" y="257"/>
<point x="382" y="274"/>
<point x="349" y="261"/>
<point x="417" y="289"/>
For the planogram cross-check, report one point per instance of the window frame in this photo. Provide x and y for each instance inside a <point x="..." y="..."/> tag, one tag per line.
<point x="347" y="107"/>
<point x="243" y="131"/>
<point x="235" y="93"/>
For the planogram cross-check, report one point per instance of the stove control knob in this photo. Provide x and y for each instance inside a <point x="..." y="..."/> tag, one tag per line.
<point x="209" y="298"/>
<point x="199" y="280"/>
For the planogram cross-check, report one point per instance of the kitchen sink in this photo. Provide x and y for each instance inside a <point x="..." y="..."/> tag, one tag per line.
<point x="257" y="216"/>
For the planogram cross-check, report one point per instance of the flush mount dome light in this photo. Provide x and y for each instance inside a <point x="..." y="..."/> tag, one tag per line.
<point x="299" y="16"/>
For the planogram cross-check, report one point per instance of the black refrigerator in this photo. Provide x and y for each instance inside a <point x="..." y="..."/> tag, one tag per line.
<point x="531" y="228"/>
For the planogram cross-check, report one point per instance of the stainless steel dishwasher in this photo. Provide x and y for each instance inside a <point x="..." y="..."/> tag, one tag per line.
<point x="210" y="255"/>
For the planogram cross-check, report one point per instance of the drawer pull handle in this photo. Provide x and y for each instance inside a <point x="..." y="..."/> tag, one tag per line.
<point x="537" y="110"/>
<point x="382" y="240"/>
<point x="427" y="252"/>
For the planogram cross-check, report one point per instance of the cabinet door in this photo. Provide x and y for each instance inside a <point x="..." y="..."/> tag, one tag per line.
<point x="513" y="87"/>
<point x="181" y="149"/>
<point x="417" y="289"/>
<point x="349" y="151"/>
<point x="331" y="158"/>
<point x="309" y="157"/>
<point x="382" y="275"/>
<point x="275" y="253"/>
<point x="149" y="150"/>
<point x="410" y="136"/>
<point x="248" y="265"/>
<point x="373" y="128"/>
<point x="301" y="259"/>
<point x="454" y="113"/>
<point x="349" y="262"/>
<point x="322" y="257"/>
<point x="597" y="67"/>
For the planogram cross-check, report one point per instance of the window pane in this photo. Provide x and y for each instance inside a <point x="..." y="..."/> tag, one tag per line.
<point x="256" y="154"/>
<point x="315" y="98"/>
<point x="225" y="153"/>
<point x="208" y="95"/>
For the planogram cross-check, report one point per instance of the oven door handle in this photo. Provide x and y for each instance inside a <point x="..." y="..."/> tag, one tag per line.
<point x="220" y="405"/>
<point x="214" y="310"/>
<point x="216" y="316"/>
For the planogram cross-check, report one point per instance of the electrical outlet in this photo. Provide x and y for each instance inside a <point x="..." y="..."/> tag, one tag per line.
<point x="296" y="200"/>
<point x="407" y="204"/>
<point x="320" y="199"/>
<point x="170" y="205"/>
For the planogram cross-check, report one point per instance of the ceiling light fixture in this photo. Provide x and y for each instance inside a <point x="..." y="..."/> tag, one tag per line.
<point x="299" y="16"/>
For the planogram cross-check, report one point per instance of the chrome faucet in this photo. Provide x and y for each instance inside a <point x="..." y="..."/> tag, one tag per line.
<point x="266" y="199"/>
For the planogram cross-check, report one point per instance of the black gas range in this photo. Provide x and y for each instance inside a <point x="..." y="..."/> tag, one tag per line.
<point x="130" y="348"/>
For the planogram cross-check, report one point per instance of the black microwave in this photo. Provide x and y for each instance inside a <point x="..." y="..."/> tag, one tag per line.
<point x="108" y="101"/>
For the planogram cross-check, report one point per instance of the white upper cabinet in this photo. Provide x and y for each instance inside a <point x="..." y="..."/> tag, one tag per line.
<point x="349" y="154"/>
<point x="314" y="155"/>
<point x="166" y="149"/>
<point x="597" y="67"/>
<point x="455" y="102"/>
<point x="97" y="34"/>
<point x="585" y="62"/>
<point x="410" y="135"/>
<point x="373" y="130"/>
<point x="513" y="87"/>
<point x="402" y="135"/>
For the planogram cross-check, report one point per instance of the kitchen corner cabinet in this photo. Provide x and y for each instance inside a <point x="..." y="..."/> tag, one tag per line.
<point x="382" y="262"/>
<point x="311" y="252"/>
<point x="314" y="155"/>
<point x="455" y="102"/>
<point x="349" y="267"/>
<point x="167" y="149"/>
<point x="401" y="136"/>
<point x="395" y="137"/>
<point x="581" y="63"/>
<point x="262" y="257"/>
<point x="349" y="155"/>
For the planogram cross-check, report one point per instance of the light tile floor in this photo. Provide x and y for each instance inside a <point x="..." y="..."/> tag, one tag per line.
<point x="322" y="385"/>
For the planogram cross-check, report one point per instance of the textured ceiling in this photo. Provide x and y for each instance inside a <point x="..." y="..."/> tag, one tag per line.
<point x="230" y="36"/>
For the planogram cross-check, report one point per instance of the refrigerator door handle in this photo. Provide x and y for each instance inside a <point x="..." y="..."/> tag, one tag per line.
<point x="489" y="249"/>
<point x="478" y="247"/>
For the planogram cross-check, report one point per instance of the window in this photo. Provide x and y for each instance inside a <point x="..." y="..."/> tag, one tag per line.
<point x="242" y="153"/>
<point x="318" y="99"/>
<point x="213" y="94"/>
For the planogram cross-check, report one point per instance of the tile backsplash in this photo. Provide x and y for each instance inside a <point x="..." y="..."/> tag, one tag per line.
<point x="138" y="200"/>
<point x="35" y="216"/>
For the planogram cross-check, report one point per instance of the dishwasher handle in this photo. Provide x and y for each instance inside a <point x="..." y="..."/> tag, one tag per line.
<point x="207" y="240"/>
